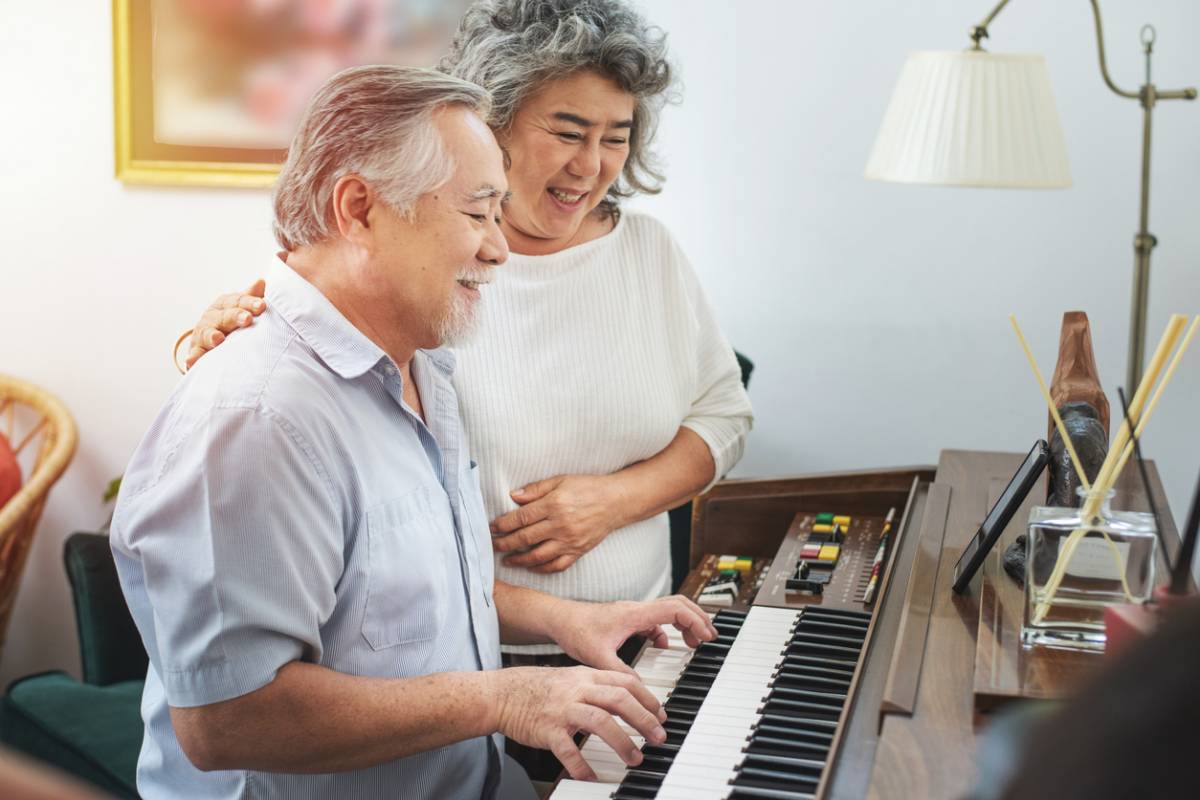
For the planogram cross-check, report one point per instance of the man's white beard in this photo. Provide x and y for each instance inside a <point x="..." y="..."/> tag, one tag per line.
<point x="459" y="322"/>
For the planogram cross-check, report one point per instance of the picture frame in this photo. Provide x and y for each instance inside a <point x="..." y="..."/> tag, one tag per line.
<point x="207" y="94"/>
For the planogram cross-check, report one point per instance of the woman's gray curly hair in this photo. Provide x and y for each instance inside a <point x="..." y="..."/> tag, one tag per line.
<point x="512" y="47"/>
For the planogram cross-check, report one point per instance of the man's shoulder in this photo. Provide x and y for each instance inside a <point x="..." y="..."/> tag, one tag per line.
<point x="268" y="365"/>
<point x="265" y="376"/>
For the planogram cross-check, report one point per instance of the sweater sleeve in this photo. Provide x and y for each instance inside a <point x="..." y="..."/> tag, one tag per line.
<point x="720" y="413"/>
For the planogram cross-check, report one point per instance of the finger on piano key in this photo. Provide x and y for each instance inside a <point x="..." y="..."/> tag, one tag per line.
<point x="583" y="790"/>
<point x="604" y="761"/>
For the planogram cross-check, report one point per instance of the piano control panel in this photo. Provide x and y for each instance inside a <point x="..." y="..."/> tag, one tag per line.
<point x="829" y="565"/>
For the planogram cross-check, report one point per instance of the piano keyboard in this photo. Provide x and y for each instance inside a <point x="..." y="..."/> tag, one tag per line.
<point x="752" y="714"/>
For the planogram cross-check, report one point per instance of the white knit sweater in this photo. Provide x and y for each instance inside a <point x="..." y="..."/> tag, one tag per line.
<point x="587" y="361"/>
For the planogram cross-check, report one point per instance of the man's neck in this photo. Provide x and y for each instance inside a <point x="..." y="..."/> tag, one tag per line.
<point x="337" y="275"/>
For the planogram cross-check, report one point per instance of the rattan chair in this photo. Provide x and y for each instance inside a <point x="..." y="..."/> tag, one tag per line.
<point x="29" y="416"/>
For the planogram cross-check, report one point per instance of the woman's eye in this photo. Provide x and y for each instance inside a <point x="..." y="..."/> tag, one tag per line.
<point x="617" y="142"/>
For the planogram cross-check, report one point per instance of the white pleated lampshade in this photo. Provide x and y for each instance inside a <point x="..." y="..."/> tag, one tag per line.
<point x="972" y="119"/>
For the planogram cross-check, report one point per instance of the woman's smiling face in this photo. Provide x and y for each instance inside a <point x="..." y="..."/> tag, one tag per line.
<point x="567" y="143"/>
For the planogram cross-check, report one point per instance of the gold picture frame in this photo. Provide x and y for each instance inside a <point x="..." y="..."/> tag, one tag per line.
<point x="139" y="159"/>
<point x="208" y="94"/>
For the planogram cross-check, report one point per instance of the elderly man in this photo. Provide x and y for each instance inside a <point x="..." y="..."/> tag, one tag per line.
<point x="300" y="535"/>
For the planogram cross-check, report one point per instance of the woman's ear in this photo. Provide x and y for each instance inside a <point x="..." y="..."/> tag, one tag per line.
<point x="352" y="201"/>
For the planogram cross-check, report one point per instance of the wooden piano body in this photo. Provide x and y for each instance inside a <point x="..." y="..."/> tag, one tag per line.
<point x="933" y="662"/>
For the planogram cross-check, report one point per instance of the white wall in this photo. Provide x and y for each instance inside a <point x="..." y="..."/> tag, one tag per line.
<point x="876" y="314"/>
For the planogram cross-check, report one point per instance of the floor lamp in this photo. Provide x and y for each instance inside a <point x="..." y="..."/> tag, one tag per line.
<point x="975" y="118"/>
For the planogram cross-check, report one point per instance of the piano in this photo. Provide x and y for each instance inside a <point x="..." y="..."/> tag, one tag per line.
<point x="810" y="690"/>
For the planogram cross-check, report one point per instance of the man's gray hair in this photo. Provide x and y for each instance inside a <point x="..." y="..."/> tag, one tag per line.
<point x="513" y="47"/>
<point x="375" y="122"/>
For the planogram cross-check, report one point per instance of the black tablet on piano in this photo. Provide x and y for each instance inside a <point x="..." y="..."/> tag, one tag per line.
<point x="998" y="518"/>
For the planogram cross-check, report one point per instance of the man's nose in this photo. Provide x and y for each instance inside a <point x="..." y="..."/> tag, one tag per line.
<point x="494" y="248"/>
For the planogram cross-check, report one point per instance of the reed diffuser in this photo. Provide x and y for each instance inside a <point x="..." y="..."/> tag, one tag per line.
<point x="1079" y="561"/>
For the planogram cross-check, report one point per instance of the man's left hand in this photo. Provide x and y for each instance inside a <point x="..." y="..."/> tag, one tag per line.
<point x="593" y="632"/>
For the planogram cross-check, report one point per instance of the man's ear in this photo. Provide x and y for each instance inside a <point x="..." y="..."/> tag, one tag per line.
<point x="352" y="202"/>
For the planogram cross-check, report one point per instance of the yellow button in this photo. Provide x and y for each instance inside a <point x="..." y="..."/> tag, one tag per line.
<point x="743" y="564"/>
<point x="822" y="528"/>
<point x="829" y="552"/>
<point x="843" y="521"/>
<point x="726" y="564"/>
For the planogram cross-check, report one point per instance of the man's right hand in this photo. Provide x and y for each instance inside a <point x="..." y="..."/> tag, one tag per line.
<point x="227" y="313"/>
<point x="546" y="706"/>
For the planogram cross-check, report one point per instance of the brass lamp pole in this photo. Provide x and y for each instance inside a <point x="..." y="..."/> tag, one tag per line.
<point x="1144" y="241"/>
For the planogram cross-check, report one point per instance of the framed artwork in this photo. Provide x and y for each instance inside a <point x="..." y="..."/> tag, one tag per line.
<point x="208" y="92"/>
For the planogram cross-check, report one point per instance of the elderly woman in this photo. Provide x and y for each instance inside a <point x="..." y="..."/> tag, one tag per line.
<point x="599" y="391"/>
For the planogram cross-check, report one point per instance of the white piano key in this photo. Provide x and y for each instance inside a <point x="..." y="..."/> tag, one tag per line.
<point x="583" y="790"/>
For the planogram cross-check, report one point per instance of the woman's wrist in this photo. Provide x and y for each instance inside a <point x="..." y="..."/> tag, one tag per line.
<point x="624" y="499"/>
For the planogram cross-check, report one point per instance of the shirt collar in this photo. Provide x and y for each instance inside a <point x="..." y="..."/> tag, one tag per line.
<point x="343" y="347"/>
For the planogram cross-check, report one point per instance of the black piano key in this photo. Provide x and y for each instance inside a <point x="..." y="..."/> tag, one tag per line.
<point x="833" y="699"/>
<point x="800" y="679"/>
<point x="675" y="705"/>
<point x="858" y="618"/>
<point x="763" y="793"/>
<point x="819" y="648"/>
<point x="793" y="741"/>
<point x="776" y="778"/>
<point x="828" y="638"/>
<point x="713" y="647"/>
<point x="800" y="717"/>
<point x="696" y="686"/>
<point x="814" y="730"/>
<point x="815" y="710"/>
<point x="790" y="764"/>
<point x="787" y="716"/>
<point x="634" y="792"/>
<point x="636" y="777"/>
<point x="689" y="693"/>
<point x="822" y="626"/>
<point x="840" y="666"/>
<point x="799" y="750"/>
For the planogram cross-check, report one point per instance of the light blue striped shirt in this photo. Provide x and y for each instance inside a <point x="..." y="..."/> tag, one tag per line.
<point x="286" y="505"/>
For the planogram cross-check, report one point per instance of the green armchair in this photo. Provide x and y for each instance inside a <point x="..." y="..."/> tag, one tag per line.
<point x="91" y="729"/>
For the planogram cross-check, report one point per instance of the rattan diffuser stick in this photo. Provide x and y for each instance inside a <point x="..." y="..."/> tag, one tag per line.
<point x="1116" y="458"/>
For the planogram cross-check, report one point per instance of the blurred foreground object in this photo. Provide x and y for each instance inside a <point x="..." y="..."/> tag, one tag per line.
<point x="1132" y="732"/>
<point x="22" y="779"/>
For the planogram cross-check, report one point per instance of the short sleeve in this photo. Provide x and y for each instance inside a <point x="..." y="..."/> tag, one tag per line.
<point x="237" y="547"/>
<point x="720" y="413"/>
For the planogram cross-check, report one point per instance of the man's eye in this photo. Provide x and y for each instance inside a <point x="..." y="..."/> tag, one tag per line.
<point x="478" y="217"/>
<point x="497" y="220"/>
<point x="571" y="137"/>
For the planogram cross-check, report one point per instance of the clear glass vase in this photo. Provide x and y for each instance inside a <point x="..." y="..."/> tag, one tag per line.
<point x="1077" y="564"/>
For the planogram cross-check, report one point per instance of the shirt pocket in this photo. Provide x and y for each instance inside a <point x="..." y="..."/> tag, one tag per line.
<point x="406" y="570"/>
